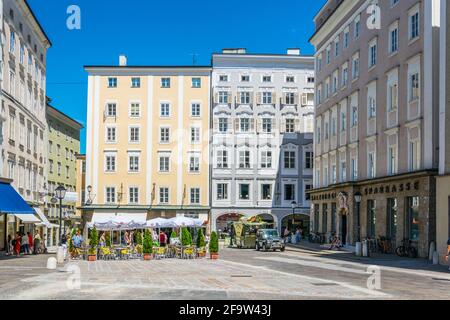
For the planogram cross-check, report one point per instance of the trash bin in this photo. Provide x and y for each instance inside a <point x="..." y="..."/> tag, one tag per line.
<point x="358" y="249"/>
<point x="365" y="248"/>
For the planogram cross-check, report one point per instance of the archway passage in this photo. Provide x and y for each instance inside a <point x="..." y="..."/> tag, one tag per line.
<point x="223" y="221"/>
<point x="294" y="221"/>
<point x="265" y="217"/>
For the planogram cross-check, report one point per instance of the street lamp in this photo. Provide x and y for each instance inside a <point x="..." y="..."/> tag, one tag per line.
<point x="60" y="193"/>
<point x="89" y="200"/>
<point x="293" y="205"/>
<point x="358" y="197"/>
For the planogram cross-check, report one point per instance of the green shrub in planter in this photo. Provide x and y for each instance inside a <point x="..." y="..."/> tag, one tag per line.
<point x="93" y="241"/>
<point x="173" y="234"/>
<point x="186" y="238"/>
<point x="200" y="239"/>
<point x="214" y="243"/>
<point x="108" y="239"/>
<point x="147" y="246"/>
<point x="138" y="238"/>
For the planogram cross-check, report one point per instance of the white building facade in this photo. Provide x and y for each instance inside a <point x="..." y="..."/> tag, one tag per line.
<point x="262" y="137"/>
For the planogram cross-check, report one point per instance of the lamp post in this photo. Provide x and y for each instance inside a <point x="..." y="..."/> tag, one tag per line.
<point x="89" y="200"/>
<point x="60" y="193"/>
<point x="357" y="197"/>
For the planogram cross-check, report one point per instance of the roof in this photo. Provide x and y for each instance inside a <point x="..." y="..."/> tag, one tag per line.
<point x="326" y="19"/>
<point x="61" y="114"/>
<point x="41" y="29"/>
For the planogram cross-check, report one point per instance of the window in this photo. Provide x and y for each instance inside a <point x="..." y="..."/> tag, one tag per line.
<point x="372" y="108"/>
<point x="343" y="171"/>
<point x="134" y="134"/>
<point x="371" y="165"/>
<point x="392" y="160"/>
<point x="112" y="82"/>
<point x="267" y="97"/>
<point x="244" y="159"/>
<point x="289" y="192"/>
<point x="50" y="147"/>
<point x="346" y="38"/>
<point x="110" y="195"/>
<point x="336" y="47"/>
<point x="290" y="79"/>
<point x="223" y="97"/>
<point x="266" y="192"/>
<point x="194" y="164"/>
<point x="165" y="82"/>
<point x="328" y="55"/>
<point x="391" y="221"/>
<point x="267" y="125"/>
<point x="195" y="195"/>
<point x="164" y="195"/>
<point x="308" y="187"/>
<point x="164" y="110"/>
<point x="111" y="110"/>
<point x="355" y="67"/>
<point x="289" y="98"/>
<point x="223" y="124"/>
<point x="59" y="170"/>
<point x="110" y="163"/>
<point x="245" y="78"/>
<point x="135" y="110"/>
<point x="414" y="86"/>
<point x="244" y="125"/>
<point x="196" y="82"/>
<point x="12" y="41"/>
<point x="164" y="135"/>
<point x="136" y="82"/>
<point x="354" y="168"/>
<point x="309" y="158"/>
<point x="164" y="162"/>
<point x="222" y="191"/>
<point x="290" y="125"/>
<point x="412" y="223"/>
<point x="12" y="83"/>
<point x="393" y="40"/>
<point x="357" y="27"/>
<point x="195" y="110"/>
<point x="267" y="79"/>
<point x="51" y="166"/>
<point x="133" y="193"/>
<point x="310" y="80"/>
<point x="266" y="159"/>
<point x="414" y="25"/>
<point x="222" y="159"/>
<point x="414" y="155"/>
<point x="289" y="160"/>
<point x="371" y="219"/>
<point x="344" y="76"/>
<point x="343" y="121"/>
<point x="333" y="174"/>
<point x="244" y="97"/>
<point x="354" y="118"/>
<point x="133" y="161"/>
<point x="244" y="191"/>
<point x="393" y="97"/>
<point x="195" y="135"/>
<point x="223" y="78"/>
<point x="110" y="134"/>
<point x="22" y="53"/>
<point x="373" y="54"/>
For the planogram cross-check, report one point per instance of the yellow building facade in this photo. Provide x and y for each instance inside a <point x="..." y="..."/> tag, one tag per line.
<point x="147" y="142"/>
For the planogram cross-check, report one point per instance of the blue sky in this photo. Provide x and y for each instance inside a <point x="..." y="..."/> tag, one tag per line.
<point x="159" y="32"/>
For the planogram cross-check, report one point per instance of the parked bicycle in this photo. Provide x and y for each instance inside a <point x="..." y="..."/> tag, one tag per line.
<point x="406" y="249"/>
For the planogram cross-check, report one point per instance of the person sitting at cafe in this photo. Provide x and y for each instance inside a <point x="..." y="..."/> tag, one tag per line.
<point x="77" y="239"/>
<point x="162" y="239"/>
<point x="102" y="241"/>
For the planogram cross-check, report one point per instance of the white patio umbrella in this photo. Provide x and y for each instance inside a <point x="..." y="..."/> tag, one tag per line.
<point x="185" y="222"/>
<point x="158" y="223"/>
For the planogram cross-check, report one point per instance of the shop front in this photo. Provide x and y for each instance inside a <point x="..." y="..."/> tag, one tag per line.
<point x="396" y="208"/>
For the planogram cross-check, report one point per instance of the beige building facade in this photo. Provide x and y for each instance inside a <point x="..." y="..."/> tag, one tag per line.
<point x="376" y="120"/>
<point x="147" y="142"/>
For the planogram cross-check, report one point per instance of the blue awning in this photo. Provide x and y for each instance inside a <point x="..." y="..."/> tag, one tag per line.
<point x="11" y="202"/>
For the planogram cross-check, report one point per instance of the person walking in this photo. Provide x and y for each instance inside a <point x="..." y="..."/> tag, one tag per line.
<point x="37" y="242"/>
<point x="77" y="239"/>
<point x="17" y="245"/>
<point x="286" y="235"/>
<point x="25" y="244"/>
<point x="30" y="242"/>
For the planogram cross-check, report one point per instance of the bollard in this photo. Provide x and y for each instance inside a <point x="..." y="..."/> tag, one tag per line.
<point x="365" y="248"/>
<point x="432" y="250"/>
<point x="358" y="249"/>
<point x="60" y="255"/>
<point x="51" y="263"/>
<point x="435" y="258"/>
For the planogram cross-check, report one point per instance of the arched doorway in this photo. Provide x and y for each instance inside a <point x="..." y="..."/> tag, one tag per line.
<point x="265" y="217"/>
<point x="223" y="221"/>
<point x="294" y="221"/>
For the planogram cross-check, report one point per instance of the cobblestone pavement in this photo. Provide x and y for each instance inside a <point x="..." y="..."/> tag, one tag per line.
<point x="239" y="274"/>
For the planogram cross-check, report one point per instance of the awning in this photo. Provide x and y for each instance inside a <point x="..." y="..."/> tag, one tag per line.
<point x="12" y="203"/>
<point x="27" y="218"/>
<point x="44" y="221"/>
<point x="116" y="221"/>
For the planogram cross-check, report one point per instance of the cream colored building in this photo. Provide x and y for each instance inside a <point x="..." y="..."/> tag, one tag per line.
<point x="147" y="141"/>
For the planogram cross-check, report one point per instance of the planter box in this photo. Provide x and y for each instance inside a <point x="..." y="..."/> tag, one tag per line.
<point x="214" y="256"/>
<point x="147" y="257"/>
<point x="92" y="257"/>
<point x="201" y="254"/>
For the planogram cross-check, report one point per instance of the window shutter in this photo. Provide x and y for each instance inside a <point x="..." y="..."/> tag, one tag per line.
<point x="236" y="125"/>
<point x="296" y="102"/>
<point x="230" y="97"/>
<point x="304" y="99"/>
<point x="274" y="98"/>
<point x="258" y="98"/>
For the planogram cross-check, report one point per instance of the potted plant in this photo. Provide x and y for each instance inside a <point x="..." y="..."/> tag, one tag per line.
<point x="108" y="240"/>
<point x="186" y="238"/>
<point x="147" y="246"/>
<point x="93" y="242"/>
<point x="201" y="244"/>
<point x="214" y="246"/>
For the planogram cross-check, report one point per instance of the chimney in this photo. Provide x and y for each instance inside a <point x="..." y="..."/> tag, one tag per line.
<point x="122" y="60"/>
<point x="235" y="50"/>
<point x="293" y="51"/>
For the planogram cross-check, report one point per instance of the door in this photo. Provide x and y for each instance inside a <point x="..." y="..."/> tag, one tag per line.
<point x="344" y="229"/>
